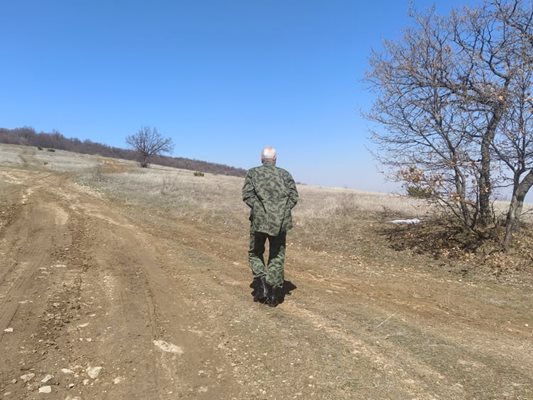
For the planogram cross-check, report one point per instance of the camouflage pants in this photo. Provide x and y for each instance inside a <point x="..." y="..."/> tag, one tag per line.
<point x="273" y="270"/>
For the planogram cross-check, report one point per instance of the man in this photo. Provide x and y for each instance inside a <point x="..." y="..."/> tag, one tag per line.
<point x="271" y="194"/>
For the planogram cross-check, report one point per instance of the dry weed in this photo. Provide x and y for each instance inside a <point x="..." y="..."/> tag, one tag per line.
<point x="326" y="219"/>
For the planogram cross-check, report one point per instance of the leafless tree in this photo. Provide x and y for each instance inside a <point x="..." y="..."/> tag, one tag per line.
<point x="444" y="94"/>
<point x="148" y="142"/>
<point x="514" y="147"/>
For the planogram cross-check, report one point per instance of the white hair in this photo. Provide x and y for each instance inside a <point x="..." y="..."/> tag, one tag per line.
<point x="268" y="153"/>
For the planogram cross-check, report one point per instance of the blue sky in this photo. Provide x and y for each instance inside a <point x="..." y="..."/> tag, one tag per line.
<point x="223" y="78"/>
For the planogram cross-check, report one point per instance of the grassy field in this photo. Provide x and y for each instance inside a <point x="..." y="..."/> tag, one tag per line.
<point x="326" y="219"/>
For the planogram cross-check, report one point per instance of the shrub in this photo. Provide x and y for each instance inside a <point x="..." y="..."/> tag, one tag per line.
<point x="419" y="192"/>
<point x="198" y="173"/>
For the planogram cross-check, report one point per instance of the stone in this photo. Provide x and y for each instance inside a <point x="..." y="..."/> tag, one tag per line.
<point x="45" y="389"/>
<point x="27" y="377"/>
<point x="168" y="347"/>
<point x="93" y="372"/>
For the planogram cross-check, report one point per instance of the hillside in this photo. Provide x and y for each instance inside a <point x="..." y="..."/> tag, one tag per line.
<point x="55" y="140"/>
<point x="118" y="282"/>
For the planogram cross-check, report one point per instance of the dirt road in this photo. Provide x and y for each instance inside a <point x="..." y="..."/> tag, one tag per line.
<point x="96" y="303"/>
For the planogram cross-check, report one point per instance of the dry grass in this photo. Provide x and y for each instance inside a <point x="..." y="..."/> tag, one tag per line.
<point x="326" y="219"/>
<point x="31" y="157"/>
<point x="321" y="214"/>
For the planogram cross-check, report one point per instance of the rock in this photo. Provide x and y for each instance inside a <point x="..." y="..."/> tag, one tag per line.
<point x="93" y="372"/>
<point x="8" y="330"/>
<point x="47" y="378"/>
<point x="117" y="380"/>
<point x="70" y="385"/>
<point x="85" y="382"/>
<point x="27" y="377"/>
<point x="168" y="347"/>
<point x="67" y="371"/>
<point x="83" y="325"/>
<point x="45" y="389"/>
<point x="13" y="381"/>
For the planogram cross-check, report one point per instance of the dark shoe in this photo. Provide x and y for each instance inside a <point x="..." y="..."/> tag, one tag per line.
<point x="274" y="296"/>
<point x="260" y="289"/>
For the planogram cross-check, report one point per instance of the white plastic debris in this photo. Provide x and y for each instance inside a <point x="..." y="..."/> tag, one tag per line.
<point x="412" y="221"/>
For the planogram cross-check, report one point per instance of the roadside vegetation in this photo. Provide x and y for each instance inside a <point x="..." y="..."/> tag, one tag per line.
<point x="454" y="115"/>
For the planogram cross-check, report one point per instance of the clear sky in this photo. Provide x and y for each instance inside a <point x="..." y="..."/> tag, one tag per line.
<point x="223" y="78"/>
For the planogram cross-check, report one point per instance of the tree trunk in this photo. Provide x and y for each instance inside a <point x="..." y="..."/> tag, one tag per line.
<point x="144" y="161"/>
<point x="520" y="191"/>
<point x="460" y="188"/>
<point x="485" y="186"/>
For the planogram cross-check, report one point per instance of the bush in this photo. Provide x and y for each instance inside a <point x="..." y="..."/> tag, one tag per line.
<point x="418" y="192"/>
<point x="198" y="173"/>
<point x="51" y="150"/>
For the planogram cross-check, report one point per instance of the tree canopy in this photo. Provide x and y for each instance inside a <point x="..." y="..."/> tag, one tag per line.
<point x="148" y="142"/>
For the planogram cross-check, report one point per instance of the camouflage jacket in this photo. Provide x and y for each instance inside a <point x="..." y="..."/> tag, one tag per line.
<point x="271" y="194"/>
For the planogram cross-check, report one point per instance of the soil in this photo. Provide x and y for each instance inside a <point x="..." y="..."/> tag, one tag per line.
<point x="100" y="302"/>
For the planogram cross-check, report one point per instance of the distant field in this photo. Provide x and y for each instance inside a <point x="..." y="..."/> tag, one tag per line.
<point x="212" y="195"/>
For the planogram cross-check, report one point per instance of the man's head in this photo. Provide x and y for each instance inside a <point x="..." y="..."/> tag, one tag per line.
<point x="269" y="155"/>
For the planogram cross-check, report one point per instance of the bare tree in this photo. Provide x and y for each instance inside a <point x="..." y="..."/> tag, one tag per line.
<point x="515" y="146"/>
<point x="445" y="93"/>
<point x="148" y="142"/>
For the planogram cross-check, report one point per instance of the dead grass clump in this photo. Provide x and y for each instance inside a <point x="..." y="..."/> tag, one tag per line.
<point x="442" y="239"/>
<point x="169" y="186"/>
<point x="97" y="174"/>
<point x="438" y="237"/>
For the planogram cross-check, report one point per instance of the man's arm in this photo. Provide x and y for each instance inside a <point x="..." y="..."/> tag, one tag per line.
<point x="248" y="191"/>
<point x="293" y="193"/>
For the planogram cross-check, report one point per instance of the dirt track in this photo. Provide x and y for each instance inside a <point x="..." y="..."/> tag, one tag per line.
<point x="165" y="310"/>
